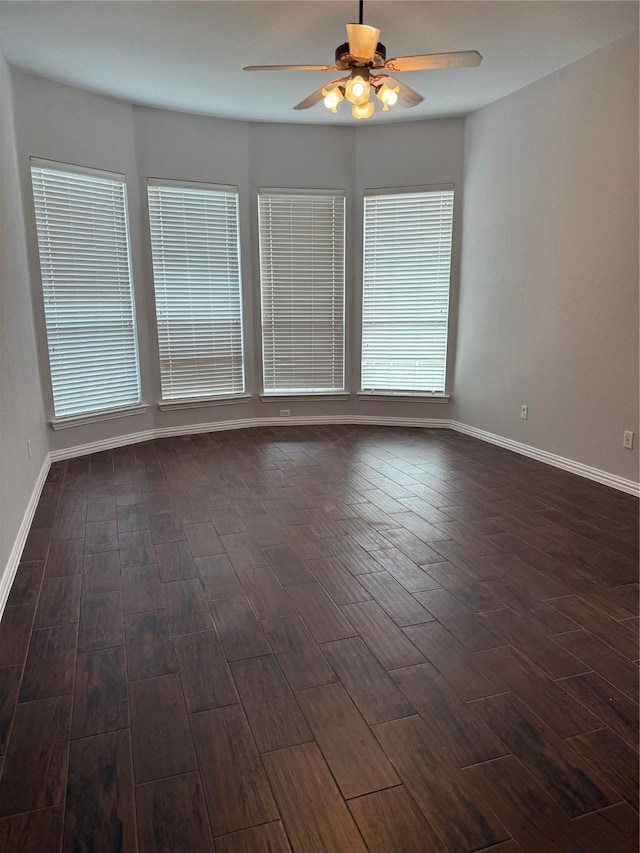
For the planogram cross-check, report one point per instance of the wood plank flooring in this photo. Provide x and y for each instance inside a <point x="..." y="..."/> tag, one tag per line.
<point x="322" y="640"/>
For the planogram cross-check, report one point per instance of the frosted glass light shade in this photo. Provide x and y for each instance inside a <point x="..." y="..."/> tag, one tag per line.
<point x="357" y="90"/>
<point x="362" y="110"/>
<point x="363" y="41"/>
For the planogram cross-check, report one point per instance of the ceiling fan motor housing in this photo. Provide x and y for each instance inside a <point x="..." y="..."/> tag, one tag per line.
<point x="344" y="60"/>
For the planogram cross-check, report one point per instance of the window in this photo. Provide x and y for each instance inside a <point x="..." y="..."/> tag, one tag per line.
<point x="405" y="303"/>
<point x="83" y="239"/>
<point x="196" y="273"/>
<point x="302" y="286"/>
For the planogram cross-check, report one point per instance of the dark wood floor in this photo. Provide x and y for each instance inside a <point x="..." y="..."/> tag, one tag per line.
<point x="321" y="639"/>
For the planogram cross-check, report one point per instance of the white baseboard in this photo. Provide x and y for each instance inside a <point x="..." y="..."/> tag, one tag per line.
<point x="11" y="566"/>
<point x="104" y="444"/>
<point x="357" y="420"/>
<point x="587" y="471"/>
<point x="242" y="423"/>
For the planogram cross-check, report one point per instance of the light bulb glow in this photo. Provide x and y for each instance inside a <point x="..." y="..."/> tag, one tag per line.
<point x="362" y="110"/>
<point x="388" y="96"/>
<point x="357" y="90"/>
<point x="332" y="98"/>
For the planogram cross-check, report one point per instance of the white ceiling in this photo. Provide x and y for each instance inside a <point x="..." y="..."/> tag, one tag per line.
<point x="189" y="55"/>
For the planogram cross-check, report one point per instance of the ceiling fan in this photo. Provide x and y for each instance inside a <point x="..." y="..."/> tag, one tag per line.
<point x="365" y="58"/>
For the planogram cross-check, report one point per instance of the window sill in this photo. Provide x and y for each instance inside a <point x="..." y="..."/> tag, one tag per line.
<point x="92" y="417"/>
<point x="418" y="397"/>
<point x="282" y="398"/>
<point x="170" y="405"/>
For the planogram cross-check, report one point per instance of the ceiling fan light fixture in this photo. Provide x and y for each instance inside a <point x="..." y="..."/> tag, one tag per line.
<point x="357" y="89"/>
<point x="388" y="95"/>
<point x="363" y="110"/>
<point x="332" y="98"/>
<point x="361" y="57"/>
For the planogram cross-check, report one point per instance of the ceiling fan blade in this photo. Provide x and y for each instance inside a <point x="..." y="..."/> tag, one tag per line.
<point x="363" y="40"/>
<point x="429" y="61"/>
<point x="311" y="100"/>
<point x="407" y="97"/>
<point x="290" y="68"/>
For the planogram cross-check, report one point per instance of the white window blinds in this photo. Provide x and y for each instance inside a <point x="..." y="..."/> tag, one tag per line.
<point x="407" y="260"/>
<point x="83" y="239"/>
<point x="196" y="273"/>
<point x="302" y="285"/>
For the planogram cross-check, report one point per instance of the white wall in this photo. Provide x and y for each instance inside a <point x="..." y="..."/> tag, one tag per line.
<point x="549" y="279"/>
<point x="22" y="416"/>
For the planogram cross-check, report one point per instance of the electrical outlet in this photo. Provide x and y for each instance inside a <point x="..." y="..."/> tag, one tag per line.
<point x="524" y="412"/>
<point x="285" y="413"/>
<point x="627" y="440"/>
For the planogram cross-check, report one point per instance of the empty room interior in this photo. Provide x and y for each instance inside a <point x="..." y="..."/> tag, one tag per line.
<point x="319" y="382"/>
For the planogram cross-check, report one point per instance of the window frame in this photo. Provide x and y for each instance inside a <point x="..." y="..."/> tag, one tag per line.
<point x="62" y="419"/>
<point x="207" y="399"/>
<point x="336" y="393"/>
<point x="438" y="395"/>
